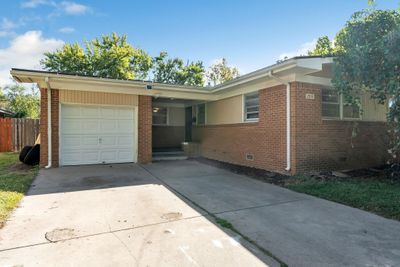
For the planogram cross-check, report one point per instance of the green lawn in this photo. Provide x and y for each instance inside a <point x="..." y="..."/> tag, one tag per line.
<point x="375" y="194"/>
<point x="15" y="179"/>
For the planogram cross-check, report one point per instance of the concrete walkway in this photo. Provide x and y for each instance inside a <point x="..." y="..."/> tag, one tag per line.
<point x="161" y="214"/>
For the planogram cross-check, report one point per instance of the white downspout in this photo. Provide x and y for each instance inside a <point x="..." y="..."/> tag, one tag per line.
<point x="288" y="132"/>
<point x="48" y="123"/>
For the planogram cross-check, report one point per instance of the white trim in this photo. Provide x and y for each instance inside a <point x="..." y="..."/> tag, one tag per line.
<point x="245" y="119"/>
<point x="49" y="133"/>
<point x="341" y="106"/>
<point x="295" y="69"/>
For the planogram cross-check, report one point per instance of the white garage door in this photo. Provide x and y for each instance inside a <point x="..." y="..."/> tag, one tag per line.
<point x="97" y="134"/>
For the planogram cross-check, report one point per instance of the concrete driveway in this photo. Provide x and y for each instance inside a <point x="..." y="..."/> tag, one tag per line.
<point x="161" y="214"/>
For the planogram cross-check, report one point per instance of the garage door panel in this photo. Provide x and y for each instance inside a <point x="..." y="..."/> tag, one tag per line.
<point x="125" y="141"/>
<point x="71" y="141"/>
<point x="125" y="114"/>
<point x="124" y="126"/>
<point x="70" y="126"/>
<point x="76" y="157"/>
<point x="109" y="126"/>
<point x="90" y="125"/>
<point x="71" y="111"/>
<point x="90" y="141"/>
<point x="94" y="134"/>
<point x="90" y="112"/>
<point x="125" y="155"/>
<point x="109" y="155"/>
<point x="109" y="140"/>
<point x="110" y="113"/>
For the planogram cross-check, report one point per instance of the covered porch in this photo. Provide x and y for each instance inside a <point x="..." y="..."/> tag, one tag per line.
<point x="172" y="121"/>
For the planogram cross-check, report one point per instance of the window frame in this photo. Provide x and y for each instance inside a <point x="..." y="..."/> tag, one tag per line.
<point x="341" y="108"/>
<point x="197" y="114"/>
<point x="244" y="109"/>
<point x="166" y="115"/>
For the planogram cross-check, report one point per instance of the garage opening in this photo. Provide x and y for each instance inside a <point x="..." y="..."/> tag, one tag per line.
<point x="92" y="134"/>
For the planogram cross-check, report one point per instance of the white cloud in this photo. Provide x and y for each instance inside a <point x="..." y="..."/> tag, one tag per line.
<point x="36" y="3"/>
<point x="66" y="30"/>
<point x="72" y="8"/>
<point x="303" y="50"/>
<point x="7" y="24"/>
<point x="25" y="51"/>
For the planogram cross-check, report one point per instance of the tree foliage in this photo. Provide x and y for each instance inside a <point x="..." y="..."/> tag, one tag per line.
<point x="221" y="72"/>
<point x="109" y="57"/>
<point x="323" y="47"/>
<point x="23" y="104"/>
<point x="368" y="59"/>
<point x="173" y="70"/>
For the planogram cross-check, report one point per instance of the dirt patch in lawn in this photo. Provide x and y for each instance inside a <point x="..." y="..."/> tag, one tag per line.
<point x="20" y="167"/>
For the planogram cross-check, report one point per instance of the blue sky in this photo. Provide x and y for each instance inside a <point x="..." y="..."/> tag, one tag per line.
<point x="250" y="34"/>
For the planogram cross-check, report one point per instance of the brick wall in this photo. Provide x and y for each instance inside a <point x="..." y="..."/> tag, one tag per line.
<point x="266" y="139"/>
<point x="329" y="144"/>
<point x="54" y="127"/>
<point x="145" y="129"/>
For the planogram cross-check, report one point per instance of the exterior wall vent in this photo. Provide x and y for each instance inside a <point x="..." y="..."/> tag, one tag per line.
<point x="249" y="156"/>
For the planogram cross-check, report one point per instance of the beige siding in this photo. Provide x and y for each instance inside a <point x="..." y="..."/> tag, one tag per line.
<point x="372" y="110"/>
<point x="225" y="111"/>
<point x="83" y="97"/>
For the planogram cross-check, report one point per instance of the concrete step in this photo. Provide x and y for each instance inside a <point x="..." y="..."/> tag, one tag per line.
<point x="169" y="155"/>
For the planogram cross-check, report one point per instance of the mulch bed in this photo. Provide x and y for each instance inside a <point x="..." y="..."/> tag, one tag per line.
<point x="259" y="174"/>
<point x="282" y="179"/>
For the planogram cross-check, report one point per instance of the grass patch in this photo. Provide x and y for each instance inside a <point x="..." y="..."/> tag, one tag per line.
<point x="224" y="223"/>
<point x="375" y="194"/>
<point x="15" y="179"/>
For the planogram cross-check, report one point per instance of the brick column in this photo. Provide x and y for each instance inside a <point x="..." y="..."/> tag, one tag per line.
<point x="54" y="127"/>
<point x="145" y="129"/>
<point x="43" y="127"/>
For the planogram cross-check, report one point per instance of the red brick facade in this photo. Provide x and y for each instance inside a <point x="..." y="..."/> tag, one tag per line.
<point x="265" y="139"/>
<point x="54" y="127"/>
<point x="316" y="144"/>
<point x="319" y="144"/>
<point x="145" y="129"/>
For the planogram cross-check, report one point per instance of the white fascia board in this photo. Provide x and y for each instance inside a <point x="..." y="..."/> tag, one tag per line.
<point x="314" y="80"/>
<point x="293" y="69"/>
<point x="130" y="89"/>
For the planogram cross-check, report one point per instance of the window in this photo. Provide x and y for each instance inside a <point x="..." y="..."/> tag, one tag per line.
<point x="160" y="116"/>
<point x="251" y="107"/>
<point x="333" y="106"/>
<point x="330" y="103"/>
<point x="201" y="114"/>
<point x="351" y="112"/>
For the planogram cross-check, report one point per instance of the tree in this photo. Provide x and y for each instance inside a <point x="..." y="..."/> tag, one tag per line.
<point x="21" y="103"/>
<point x="109" y="57"/>
<point x="368" y="59"/>
<point x="220" y="72"/>
<point x="324" y="47"/>
<point x="174" y="71"/>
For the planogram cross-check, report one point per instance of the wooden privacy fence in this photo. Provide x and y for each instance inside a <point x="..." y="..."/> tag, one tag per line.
<point x="17" y="133"/>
